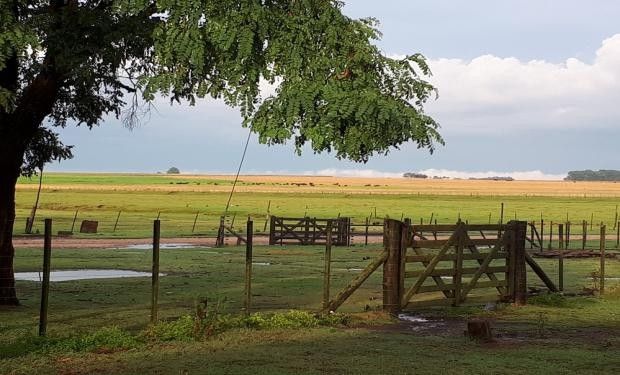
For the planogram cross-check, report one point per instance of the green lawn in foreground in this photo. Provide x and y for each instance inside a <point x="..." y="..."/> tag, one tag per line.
<point x="580" y="334"/>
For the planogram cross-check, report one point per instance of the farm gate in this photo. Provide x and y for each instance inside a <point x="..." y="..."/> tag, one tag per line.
<point x="460" y="263"/>
<point x="309" y="231"/>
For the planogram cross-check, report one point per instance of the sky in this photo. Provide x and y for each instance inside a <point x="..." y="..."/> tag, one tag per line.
<point x="526" y="88"/>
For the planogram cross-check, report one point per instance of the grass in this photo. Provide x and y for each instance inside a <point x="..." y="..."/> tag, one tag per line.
<point x="102" y="326"/>
<point x="81" y="310"/>
<point x="177" y="200"/>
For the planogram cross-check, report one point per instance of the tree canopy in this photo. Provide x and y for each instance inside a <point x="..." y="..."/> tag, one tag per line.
<point x="78" y="61"/>
<point x="335" y="89"/>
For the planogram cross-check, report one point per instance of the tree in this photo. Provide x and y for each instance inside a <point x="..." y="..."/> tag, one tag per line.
<point x="76" y="61"/>
<point x="173" y="170"/>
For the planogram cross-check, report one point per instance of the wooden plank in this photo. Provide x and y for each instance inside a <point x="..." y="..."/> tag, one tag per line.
<point x="490" y="284"/>
<point x="429" y="244"/>
<point x="540" y="272"/>
<point x="239" y="237"/>
<point x="429" y="269"/>
<point x="484" y="266"/>
<point x="436" y="288"/>
<point x="450" y="257"/>
<point x="449" y="301"/>
<point x="433" y="244"/>
<point x="357" y="282"/>
<point x="452" y="271"/>
<point x="429" y="303"/>
<point x="501" y="241"/>
<point x="437" y="279"/>
<point x="452" y="227"/>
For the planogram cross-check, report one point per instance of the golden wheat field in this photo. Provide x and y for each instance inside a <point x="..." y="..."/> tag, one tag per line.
<point x="330" y="184"/>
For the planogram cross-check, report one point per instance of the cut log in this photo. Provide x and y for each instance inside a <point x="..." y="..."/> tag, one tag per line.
<point x="479" y="330"/>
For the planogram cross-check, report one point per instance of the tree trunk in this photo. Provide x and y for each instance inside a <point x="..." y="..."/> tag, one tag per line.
<point x="8" y="179"/>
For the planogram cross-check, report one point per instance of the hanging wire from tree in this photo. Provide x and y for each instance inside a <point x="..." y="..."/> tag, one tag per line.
<point x="232" y="190"/>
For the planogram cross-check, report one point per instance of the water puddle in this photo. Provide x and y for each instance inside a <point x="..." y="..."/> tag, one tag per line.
<point x="163" y="246"/>
<point x="420" y="323"/>
<point x="81" y="275"/>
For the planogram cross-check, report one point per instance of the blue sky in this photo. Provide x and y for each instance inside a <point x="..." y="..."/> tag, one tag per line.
<point x="524" y="86"/>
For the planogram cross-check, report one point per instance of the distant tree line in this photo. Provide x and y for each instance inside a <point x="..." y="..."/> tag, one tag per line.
<point x="414" y="175"/>
<point x="589" y="175"/>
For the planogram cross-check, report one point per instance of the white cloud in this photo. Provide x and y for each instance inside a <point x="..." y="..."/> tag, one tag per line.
<point x="493" y="94"/>
<point x="371" y="173"/>
<point x="367" y="173"/>
<point x="517" y="175"/>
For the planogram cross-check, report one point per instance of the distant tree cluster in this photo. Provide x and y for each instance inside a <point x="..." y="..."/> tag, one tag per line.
<point x="414" y="175"/>
<point x="173" y="170"/>
<point x="590" y="175"/>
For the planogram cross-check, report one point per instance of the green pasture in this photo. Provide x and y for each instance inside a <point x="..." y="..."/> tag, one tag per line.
<point x="179" y="209"/>
<point x="552" y="335"/>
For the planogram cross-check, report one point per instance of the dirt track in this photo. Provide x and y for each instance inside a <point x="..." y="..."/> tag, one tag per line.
<point x="111" y="243"/>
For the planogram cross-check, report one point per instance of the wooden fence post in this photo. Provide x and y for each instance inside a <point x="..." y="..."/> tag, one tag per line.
<point x="404" y="243"/>
<point x="567" y="236"/>
<point x="195" y="220"/>
<point x="561" y="258"/>
<point x="116" y="222"/>
<point x="155" y="271"/>
<point x="602" y="271"/>
<point x="542" y="235"/>
<point x="618" y="234"/>
<point x="550" y="235"/>
<point x="327" y="265"/>
<point x="584" y="234"/>
<point x="517" y="259"/>
<point x="74" y="219"/>
<point x="219" y="242"/>
<point x="391" y="267"/>
<point x="248" y="265"/>
<point x="366" y="233"/>
<point x="45" y="285"/>
<point x="457" y="278"/>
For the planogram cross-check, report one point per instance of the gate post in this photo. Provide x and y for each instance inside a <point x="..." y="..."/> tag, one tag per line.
<point x="517" y="272"/>
<point x="391" y="268"/>
<point x="272" y="230"/>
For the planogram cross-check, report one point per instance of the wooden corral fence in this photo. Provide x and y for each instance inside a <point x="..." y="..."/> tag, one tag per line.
<point x="309" y="231"/>
<point x="226" y="231"/>
<point x="460" y="263"/>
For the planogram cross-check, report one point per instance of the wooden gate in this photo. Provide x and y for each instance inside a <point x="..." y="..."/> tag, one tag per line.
<point x="457" y="262"/>
<point x="461" y="263"/>
<point x="308" y="231"/>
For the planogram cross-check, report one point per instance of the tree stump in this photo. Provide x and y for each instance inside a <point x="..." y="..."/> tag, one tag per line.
<point x="479" y="330"/>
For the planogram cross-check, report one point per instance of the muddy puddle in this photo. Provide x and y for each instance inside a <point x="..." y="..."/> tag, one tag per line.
<point x="71" y="275"/>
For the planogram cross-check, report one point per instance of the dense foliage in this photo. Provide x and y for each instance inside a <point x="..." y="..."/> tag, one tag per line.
<point x="589" y="175"/>
<point x="296" y="69"/>
<point x="333" y="88"/>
